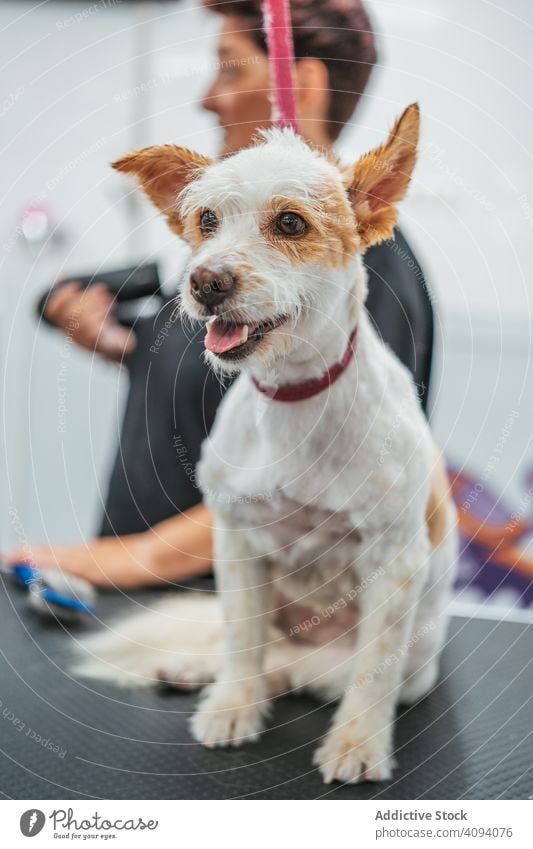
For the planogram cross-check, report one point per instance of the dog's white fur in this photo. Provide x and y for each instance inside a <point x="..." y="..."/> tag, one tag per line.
<point x="321" y="502"/>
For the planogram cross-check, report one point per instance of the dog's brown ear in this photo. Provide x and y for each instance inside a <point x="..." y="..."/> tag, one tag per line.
<point x="381" y="177"/>
<point x="162" y="172"/>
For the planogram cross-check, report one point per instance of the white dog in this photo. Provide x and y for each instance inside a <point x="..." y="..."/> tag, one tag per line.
<point x="334" y="529"/>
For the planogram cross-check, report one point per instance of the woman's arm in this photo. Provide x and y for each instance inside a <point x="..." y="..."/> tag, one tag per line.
<point x="171" y="552"/>
<point x="182" y="546"/>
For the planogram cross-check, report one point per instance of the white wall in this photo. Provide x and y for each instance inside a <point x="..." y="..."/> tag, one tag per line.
<point x="77" y="93"/>
<point x="61" y="127"/>
<point x="469" y="214"/>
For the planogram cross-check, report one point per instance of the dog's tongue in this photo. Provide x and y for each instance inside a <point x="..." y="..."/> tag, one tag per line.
<point x="220" y="338"/>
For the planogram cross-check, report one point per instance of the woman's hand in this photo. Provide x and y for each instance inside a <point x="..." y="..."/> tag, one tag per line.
<point x="171" y="552"/>
<point x="109" y="562"/>
<point x="86" y="316"/>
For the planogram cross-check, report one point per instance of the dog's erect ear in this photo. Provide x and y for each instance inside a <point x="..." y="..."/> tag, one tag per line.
<point x="380" y="179"/>
<point x="162" y="172"/>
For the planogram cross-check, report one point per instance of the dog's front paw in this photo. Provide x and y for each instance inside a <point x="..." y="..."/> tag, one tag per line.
<point x="347" y="756"/>
<point x="230" y="715"/>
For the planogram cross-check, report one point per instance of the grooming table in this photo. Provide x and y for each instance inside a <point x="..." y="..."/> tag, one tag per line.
<point x="62" y="738"/>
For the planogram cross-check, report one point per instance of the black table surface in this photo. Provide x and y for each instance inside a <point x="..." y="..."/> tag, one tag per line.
<point x="62" y="738"/>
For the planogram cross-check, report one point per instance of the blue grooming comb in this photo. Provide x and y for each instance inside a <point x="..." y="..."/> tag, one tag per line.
<point x="53" y="592"/>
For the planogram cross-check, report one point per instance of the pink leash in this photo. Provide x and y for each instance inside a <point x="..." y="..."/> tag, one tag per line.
<point x="277" y="25"/>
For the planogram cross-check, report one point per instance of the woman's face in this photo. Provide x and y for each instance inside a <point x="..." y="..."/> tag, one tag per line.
<point x="240" y="93"/>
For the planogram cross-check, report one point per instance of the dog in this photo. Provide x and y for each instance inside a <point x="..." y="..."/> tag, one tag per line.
<point x="334" y="530"/>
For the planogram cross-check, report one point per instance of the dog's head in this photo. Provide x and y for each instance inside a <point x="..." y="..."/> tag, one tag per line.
<point x="277" y="231"/>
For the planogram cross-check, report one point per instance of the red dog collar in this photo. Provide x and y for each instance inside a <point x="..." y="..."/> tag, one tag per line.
<point x="308" y="388"/>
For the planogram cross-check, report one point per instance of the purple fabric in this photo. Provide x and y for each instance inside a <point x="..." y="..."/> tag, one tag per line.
<point x="481" y="571"/>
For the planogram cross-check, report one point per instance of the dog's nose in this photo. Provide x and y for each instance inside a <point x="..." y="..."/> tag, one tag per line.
<point x="210" y="287"/>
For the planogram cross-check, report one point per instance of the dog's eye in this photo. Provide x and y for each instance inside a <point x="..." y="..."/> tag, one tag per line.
<point x="290" y="224"/>
<point x="208" y="222"/>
